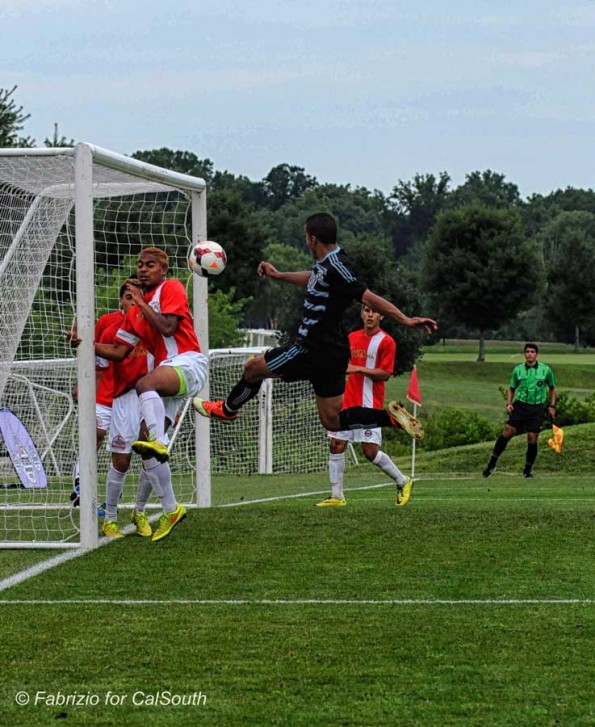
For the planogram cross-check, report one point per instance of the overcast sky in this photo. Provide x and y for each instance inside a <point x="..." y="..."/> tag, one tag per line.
<point x="364" y="92"/>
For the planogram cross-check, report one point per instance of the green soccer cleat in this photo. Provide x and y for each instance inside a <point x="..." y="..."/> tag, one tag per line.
<point x="168" y="521"/>
<point x="143" y="528"/>
<point x="332" y="502"/>
<point x="401" y="419"/>
<point x="153" y="448"/>
<point x="404" y="493"/>
<point x="111" y="530"/>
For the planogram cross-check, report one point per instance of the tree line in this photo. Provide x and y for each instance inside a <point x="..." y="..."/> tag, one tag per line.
<point x="482" y="260"/>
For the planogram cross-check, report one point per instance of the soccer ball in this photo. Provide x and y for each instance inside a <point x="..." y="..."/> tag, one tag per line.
<point x="206" y="259"/>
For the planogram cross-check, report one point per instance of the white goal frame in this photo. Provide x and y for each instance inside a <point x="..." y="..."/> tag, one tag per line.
<point x="85" y="155"/>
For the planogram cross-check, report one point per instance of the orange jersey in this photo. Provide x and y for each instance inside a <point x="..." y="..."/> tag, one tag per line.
<point x="123" y="375"/>
<point x="106" y="322"/>
<point x="372" y="352"/>
<point x="168" y="298"/>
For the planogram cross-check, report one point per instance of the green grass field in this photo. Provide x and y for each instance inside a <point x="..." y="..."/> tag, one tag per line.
<point x="472" y="605"/>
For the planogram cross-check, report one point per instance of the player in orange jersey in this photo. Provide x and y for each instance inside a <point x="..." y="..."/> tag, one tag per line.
<point x="371" y="363"/>
<point x="104" y="380"/>
<point x="161" y="319"/>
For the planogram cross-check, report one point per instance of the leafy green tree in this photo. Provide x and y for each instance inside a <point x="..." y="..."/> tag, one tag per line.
<point x="12" y="119"/>
<point x="249" y="192"/>
<point x="572" y="200"/>
<point x="570" y="299"/>
<point x="412" y="208"/>
<point x="285" y="182"/>
<point x="539" y="210"/>
<point x="537" y="213"/>
<point x="486" y="188"/>
<point x="480" y="269"/>
<point x="357" y="211"/>
<point x="562" y="227"/>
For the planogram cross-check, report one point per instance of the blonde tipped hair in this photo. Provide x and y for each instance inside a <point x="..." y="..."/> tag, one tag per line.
<point x="157" y="252"/>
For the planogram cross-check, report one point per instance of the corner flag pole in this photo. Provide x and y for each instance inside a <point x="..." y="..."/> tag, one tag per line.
<point x="413" y="443"/>
<point x="414" y="396"/>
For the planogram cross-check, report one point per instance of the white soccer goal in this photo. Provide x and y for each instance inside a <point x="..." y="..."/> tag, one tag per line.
<point x="72" y="222"/>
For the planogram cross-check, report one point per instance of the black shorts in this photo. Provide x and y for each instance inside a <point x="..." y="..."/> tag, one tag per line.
<point x="296" y="363"/>
<point x="527" y="417"/>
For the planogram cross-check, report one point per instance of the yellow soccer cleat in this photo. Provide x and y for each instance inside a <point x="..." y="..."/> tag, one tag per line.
<point x="154" y="448"/>
<point x="111" y="530"/>
<point x="143" y="528"/>
<point x="168" y="521"/>
<point x="404" y="493"/>
<point x="332" y="502"/>
<point x="402" y="419"/>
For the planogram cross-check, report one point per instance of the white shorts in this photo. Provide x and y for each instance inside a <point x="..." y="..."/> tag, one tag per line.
<point x="194" y="367"/>
<point x="126" y="421"/>
<point x="103" y="416"/>
<point x="365" y="436"/>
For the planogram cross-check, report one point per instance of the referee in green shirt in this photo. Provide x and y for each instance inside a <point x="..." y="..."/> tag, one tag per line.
<point x="531" y="394"/>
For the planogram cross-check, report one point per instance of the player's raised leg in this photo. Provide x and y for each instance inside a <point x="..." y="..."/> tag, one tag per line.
<point x="226" y="411"/>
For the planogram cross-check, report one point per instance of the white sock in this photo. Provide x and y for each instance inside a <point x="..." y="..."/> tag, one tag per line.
<point x="76" y="473"/>
<point x="159" y="474"/>
<point x="114" y="483"/>
<point x="153" y="413"/>
<point x="386" y="464"/>
<point x="336" y="469"/>
<point x="145" y="490"/>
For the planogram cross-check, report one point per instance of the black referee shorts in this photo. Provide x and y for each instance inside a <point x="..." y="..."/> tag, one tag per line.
<point x="527" y="417"/>
<point x="296" y="363"/>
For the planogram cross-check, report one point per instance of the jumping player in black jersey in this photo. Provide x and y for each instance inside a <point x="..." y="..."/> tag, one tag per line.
<point x="320" y="351"/>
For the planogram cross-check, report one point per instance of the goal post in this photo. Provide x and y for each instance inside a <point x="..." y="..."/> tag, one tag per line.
<point x="72" y="221"/>
<point x="202" y="431"/>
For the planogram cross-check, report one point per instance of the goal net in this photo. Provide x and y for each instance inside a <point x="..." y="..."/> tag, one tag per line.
<point x="71" y="228"/>
<point x="72" y="222"/>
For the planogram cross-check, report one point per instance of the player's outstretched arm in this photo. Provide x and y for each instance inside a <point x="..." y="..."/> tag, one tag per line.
<point x="386" y="308"/>
<point x="112" y="351"/>
<point x="267" y="270"/>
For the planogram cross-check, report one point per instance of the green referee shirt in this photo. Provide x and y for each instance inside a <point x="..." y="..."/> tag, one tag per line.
<point x="531" y="384"/>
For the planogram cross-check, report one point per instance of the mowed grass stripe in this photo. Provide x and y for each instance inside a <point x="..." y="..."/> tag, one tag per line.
<point x="370" y="551"/>
<point x="299" y="602"/>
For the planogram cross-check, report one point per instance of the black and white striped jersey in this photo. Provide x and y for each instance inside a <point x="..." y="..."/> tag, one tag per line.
<point x="332" y="286"/>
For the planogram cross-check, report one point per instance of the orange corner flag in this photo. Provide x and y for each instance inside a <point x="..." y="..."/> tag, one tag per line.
<point x="557" y="438"/>
<point x="413" y="392"/>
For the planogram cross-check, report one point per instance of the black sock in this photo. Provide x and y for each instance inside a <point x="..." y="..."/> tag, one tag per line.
<point x="242" y="392"/>
<point x="499" y="447"/>
<point x="362" y="417"/>
<point x="530" y="458"/>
